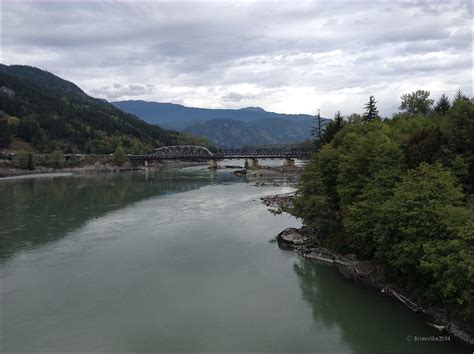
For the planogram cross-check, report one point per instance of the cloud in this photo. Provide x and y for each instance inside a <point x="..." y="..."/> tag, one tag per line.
<point x="284" y="57"/>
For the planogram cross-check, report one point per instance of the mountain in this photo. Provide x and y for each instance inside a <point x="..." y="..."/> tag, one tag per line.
<point x="231" y="133"/>
<point x="252" y="109"/>
<point x="51" y="113"/>
<point x="226" y="127"/>
<point x="181" y="117"/>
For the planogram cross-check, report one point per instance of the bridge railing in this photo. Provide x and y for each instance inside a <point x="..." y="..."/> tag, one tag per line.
<point x="200" y="154"/>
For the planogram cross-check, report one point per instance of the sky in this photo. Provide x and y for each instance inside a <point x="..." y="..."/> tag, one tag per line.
<point x="288" y="57"/>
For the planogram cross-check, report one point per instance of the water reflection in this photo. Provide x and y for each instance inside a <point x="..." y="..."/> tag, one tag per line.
<point x="37" y="211"/>
<point x="377" y="324"/>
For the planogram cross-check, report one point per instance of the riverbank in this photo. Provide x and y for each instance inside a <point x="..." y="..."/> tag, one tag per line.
<point x="41" y="171"/>
<point x="368" y="273"/>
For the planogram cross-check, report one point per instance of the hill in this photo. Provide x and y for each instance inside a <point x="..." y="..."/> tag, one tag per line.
<point x="226" y="127"/>
<point x="51" y="113"/>
<point x="231" y="133"/>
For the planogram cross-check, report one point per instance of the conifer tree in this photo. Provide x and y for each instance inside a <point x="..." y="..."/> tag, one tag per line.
<point x="443" y="104"/>
<point x="371" y="111"/>
<point x="333" y="127"/>
<point x="317" y="129"/>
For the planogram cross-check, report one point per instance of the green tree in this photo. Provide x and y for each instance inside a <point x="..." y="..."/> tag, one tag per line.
<point x="120" y="156"/>
<point x="460" y="97"/>
<point x="424" y="145"/>
<point x="57" y="159"/>
<point x="318" y="130"/>
<point x="30" y="163"/>
<point x="317" y="202"/>
<point x="423" y="235"/>
<point x="23" y="159"/>
<point x="333" y="127"/>
<point x="371" y="112"/>
<point x="443" y="104"/>
<point x="418" y="102"/>
<point x="5" y="133"/>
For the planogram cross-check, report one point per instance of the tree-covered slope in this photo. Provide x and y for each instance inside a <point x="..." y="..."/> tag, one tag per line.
<point x="226" y="127"/>
<point x="180" y="117"/>
<point x="399" y="191"/>
<point x="231" y="133"/>
<point x="52" y="113"/>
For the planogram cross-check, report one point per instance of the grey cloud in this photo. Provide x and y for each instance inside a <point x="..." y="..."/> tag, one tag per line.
<point x="188" y="52"/>
<point x="118" y="91"/>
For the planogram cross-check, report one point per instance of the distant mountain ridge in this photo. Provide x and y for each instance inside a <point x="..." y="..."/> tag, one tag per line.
<point x="231" y="133"/>
<point x="226" y="127"/>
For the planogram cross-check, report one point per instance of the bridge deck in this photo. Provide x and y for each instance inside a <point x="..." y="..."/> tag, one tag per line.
<point x="200" y="154"/>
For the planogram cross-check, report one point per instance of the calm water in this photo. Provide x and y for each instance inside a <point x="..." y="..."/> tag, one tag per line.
<point x="178" y="260"/>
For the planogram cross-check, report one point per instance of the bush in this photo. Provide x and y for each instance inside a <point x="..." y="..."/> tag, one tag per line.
<point x="119" y="156"/>
<point x="57" y="159"/>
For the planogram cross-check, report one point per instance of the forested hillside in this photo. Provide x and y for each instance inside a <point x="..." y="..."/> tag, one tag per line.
<point x="399" y="191"/>
<point x="231" y="133"/>
<point x="230" y="128"/>
<point x="51" y="113"/>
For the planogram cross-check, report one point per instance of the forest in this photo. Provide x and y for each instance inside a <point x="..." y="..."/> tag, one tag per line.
<point x="53" y="114"/>
<point x="400" y="191"/>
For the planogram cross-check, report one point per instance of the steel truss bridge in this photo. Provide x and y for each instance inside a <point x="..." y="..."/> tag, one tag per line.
<point x="200" y="153"/>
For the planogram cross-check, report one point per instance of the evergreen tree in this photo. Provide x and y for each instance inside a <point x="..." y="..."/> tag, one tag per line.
<point x="30" y="163"/>
<point x="317" y="130"/>
<point x="443" y="104"/>
<point x="333" y="127"/>
<point x="371" y="111"/>
<point x="5" y="133"/>
<point x="460" y="97"/>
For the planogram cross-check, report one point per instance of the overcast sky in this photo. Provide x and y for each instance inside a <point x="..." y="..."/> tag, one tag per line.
<point x="285" y="57"/>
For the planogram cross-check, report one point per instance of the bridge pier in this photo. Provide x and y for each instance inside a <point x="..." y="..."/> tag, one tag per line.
<point x="213" y="164"/>
<point x="254" y="164"/>
<point x="146" y="163"/>
<point x="289" y="163"/>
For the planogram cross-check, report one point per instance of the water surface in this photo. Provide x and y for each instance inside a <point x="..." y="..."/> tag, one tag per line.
<point x="177" y="260"/>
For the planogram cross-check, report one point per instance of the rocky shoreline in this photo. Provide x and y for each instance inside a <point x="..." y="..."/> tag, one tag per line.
<point x="368" y="273"/>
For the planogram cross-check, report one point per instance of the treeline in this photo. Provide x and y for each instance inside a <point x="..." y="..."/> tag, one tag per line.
<point x="399" y="191"/>
<point x="54" y="114"/>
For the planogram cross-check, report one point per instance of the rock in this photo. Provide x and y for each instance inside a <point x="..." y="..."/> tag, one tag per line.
<point x="292" y="238"/>
<point x="240" y="172"/>
<point x="350" y="257"/>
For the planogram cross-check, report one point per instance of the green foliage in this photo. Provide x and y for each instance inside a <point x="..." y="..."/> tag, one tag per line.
<point x="371" y="112"/>
<point x="5" y="133"/>
<point x="443" y="104"/>
<point x="392" y="191"/>
<point x="417" y="102"/>
<point x="25" y="160"/>
<point x="22" y="159"/>
<point x="57" y="159"/>
<point x="56" y="114"/>
<point x="318" y="201"/>
<point x="423" y="145"/>
<point x="426" y="225"/>
<point x="30" y="163"/>
<point x="120" y="156"/>
<point x="333" y="127"/>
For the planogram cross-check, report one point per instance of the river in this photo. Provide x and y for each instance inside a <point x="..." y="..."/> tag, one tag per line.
<point x="176" y="260"/>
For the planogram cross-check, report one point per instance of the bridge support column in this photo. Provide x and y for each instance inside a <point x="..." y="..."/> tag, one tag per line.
<point x="146" y="163"/>
<point x="213" y="163"/>
<point x="289" y="163"/>
<point x="254" y="163"/>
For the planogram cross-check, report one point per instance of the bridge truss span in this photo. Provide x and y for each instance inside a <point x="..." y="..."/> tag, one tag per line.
<point x="200" y="153"/>
<point x="181" y="152"/>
